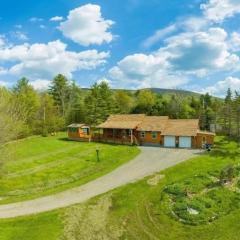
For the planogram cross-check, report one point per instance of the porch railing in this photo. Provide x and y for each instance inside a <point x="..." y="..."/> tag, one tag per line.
<point x="113" y="139"/>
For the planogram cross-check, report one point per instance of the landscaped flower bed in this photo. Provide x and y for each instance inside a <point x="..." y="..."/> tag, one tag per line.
<point x="204" y="198"/>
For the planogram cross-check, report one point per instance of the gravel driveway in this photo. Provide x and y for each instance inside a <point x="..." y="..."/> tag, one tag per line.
<point x="150" y="160"/>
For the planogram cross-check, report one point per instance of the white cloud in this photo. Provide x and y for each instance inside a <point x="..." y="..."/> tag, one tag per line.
<point x="218" y="10"/>
<point x="41" y="84"/>
<point x="140" y="71"/>
<point x="2" y="41"/>
<point x="109" y="82"/>
<point x="43" y="61"/>
<point x="35" y="19"/>
<point x="56" y="19"/>
<point x="3" y="71"/>
<point x="19" y="35"/>
<point x="199" y="52"/>
<point x="85" y="26"/>
<point x="42" y="26"/>
<point x="184" y="55"/>
<point x="234" y="42"/>
<point x="220" y="88"/>
<point x="158" y="35"/>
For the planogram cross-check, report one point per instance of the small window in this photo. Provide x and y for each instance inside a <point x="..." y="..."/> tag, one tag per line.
<point x="85" y="131"/>
<point x="204" y="139"/>
<point x="154" y="135"/>
<point x="142" y="134"/>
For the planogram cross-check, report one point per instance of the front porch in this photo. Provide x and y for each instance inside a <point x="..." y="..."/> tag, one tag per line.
<point x="117" y="136"/>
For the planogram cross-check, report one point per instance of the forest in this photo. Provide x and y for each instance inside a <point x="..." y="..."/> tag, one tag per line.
<point x="25" y="111"/>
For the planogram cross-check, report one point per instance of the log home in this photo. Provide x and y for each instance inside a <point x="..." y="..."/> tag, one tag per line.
<point x="153" y="131"/>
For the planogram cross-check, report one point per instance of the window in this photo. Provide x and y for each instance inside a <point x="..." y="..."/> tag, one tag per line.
<point x="142" y="134"/>
<point x="85" y="131"/>
<point x="154" y="135"/>
<point x="73" y="130"/>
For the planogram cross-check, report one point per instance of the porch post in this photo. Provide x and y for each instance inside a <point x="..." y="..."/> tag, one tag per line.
<point x="131" y="131"/>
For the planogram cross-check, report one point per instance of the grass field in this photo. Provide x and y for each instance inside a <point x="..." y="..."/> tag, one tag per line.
<point x="141" y="210"/>
<point x="39" y="166"/>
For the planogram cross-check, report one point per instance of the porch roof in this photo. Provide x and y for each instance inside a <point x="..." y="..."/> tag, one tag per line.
<point x="127" y="121"/>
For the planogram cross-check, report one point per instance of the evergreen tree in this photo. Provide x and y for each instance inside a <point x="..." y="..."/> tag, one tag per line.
<point x="99" y="103"/>
<point x="60" y="90"/>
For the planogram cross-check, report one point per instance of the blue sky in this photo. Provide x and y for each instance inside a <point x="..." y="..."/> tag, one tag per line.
<point x="192" y="44"/>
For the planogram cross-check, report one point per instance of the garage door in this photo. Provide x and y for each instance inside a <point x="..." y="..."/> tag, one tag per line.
<point x="185" y="142"/>
<point x="169" y="141"/>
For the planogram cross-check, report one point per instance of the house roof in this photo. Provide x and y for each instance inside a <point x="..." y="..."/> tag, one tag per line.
<point x="141" y="122"/>
<point x="153" y="123"/>
<point x="181" y="127"/>
<point x="206" y="133"/>
<point x="77" y="125"/>
<point x="126" y="121"/>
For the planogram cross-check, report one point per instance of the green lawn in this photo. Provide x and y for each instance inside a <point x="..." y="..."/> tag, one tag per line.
<point x="143" y="211"/>
<point x="39" y="166"/>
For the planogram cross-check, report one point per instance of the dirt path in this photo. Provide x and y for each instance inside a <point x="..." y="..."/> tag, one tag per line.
<point x="151" y="160"/>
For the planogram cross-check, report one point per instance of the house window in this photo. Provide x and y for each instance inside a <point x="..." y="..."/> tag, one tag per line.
<point x="73" y="130"/>
<point x="204" y="140"/>
<point x="154" y="135"/>
<point x="85" y="131"/>
<point x="142" y="134"/>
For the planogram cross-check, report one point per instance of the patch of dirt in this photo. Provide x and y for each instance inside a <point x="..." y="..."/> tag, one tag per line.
<point x="155" y="180"/>
<point x="91" y="222"/>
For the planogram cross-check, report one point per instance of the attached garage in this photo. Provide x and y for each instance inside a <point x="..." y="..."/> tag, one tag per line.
<point x="185" y="142"/>
<point x="170" y="141"/>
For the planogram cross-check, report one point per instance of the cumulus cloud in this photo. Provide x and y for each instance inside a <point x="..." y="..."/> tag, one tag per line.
<point x="85" y="26"/>
<point x="200" y="51"/>
<point x="40" y="84"/>
<point x="183" y="56"/>
<point x="56" y="19"/>
<point x="43" y="61"/>
<point x="218" y="10"/>
<point x="140" y="71"/>
<point x="220" y="88"/>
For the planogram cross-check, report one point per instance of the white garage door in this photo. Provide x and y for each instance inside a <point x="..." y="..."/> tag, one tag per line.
<point x="185" y="142"/>
<point x="169" y="141"/>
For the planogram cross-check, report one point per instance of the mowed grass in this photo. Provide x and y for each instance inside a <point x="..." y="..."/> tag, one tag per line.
<point x="139" y="210"/>
<point x="40" y="166"/>
<point x="43" y="226"/>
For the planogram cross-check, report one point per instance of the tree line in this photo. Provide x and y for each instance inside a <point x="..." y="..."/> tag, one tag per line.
<point x="25" y="111"/>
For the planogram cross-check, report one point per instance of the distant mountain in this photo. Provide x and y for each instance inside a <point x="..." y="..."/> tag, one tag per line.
<point x="162" y="91"/>
<point x="165" y="91"/>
